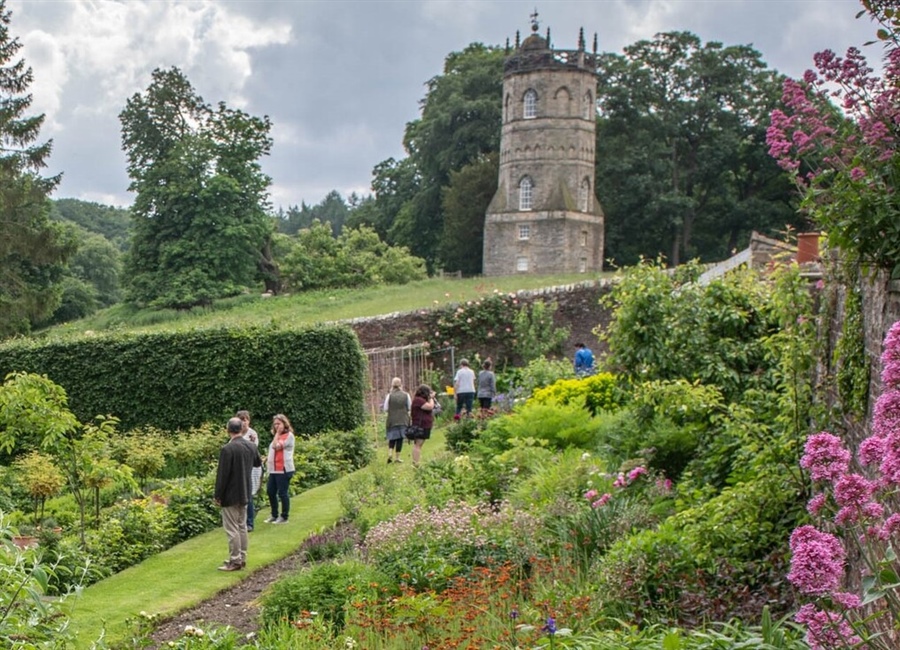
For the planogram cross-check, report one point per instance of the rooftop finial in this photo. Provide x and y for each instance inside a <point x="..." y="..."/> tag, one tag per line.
<point x="534" y="21"/>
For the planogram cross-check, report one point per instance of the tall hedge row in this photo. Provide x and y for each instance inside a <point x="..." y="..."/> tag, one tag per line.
<point x="315" y="376"/>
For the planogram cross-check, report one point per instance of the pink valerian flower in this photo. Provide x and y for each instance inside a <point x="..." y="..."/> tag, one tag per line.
<point x="664" y="484"/>
<point x="591" y="494"/>
<point x="892" y="343"/>
<point x="891" y="525"/>
<point x="886" y="414"/>
<point x="602" y="501"/>
<point x="853" y="490"/>
<point x="817" y="561"/>
<point x="816" y="503"/>
<point x="890" y="373"/>
<point x="890" y="461"/>
<point x="846" y="600"/>
<point x="871" y="450"/>
<point x="825" y="457"/>
<point x="826" y="630"/>
<point x="620" y="481"/>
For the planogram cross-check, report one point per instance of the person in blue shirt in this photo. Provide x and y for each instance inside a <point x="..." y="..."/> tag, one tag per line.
<point x="584" y="360"/>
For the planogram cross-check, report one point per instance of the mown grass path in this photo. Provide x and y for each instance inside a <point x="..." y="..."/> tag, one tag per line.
<point x="185" y="575"/>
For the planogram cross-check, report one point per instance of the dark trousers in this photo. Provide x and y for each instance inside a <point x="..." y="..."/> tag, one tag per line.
<point x="251" y="513"/>
<point x="277" y="489"/>
<point x="485" y="402"/>
<point x="464" y="401"/>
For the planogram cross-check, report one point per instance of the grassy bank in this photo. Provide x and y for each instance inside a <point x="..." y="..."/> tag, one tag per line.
<point x="312" y="307"/>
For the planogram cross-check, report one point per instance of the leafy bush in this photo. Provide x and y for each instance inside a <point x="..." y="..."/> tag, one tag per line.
<point x="29" y="620"/>
<point x="558" y="426"/>
<point x="520" y="383"/>
<point x="323" y="588"/>
<point x="191" y="452"/>
<point x="597" y="393"/>
<point x="131" y="532"/>
<point x="191" y="510"/>
<point x="667" y="326"/>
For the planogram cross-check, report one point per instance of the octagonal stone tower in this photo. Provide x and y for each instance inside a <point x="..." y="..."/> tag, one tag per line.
<point x="545" y="217"/>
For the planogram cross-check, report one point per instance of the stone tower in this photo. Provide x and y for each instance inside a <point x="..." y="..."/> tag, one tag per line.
<point x="545" y="217"/>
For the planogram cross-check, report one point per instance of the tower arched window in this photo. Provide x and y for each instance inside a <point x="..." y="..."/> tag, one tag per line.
<point x="590" y="111"/>
<point x="584" y="196"/>
<point x="529" y="105"/>
<point x="526" y="187"/>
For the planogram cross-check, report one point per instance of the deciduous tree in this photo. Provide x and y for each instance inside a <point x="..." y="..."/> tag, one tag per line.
<point x="201" y="197"/>
<point x="680" y="149"/>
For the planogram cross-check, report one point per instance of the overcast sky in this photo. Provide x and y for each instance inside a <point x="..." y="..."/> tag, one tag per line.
<point x="339" y="78"/>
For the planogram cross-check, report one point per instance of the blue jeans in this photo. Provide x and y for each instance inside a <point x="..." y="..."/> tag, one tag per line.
<point x="277" y="490"/>
<point x="251" y="513"/>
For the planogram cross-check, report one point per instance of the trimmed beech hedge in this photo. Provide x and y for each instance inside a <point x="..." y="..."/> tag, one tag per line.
<point x="174" y="380"/>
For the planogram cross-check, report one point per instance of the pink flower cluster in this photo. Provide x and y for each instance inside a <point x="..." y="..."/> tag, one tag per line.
<point x="622" y="481"/>
<point x="818" y="558"/>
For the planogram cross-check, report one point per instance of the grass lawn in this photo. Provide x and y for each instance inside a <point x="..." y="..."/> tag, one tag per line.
<point x="187" y="574"/>
<point x="312" y="307"/>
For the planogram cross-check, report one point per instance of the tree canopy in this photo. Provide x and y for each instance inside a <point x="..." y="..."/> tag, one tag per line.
<point x="201" y="198"/>
<point x="460" y="123"/>
<point x="681" y="164"/>
<point x="32" y="249"/>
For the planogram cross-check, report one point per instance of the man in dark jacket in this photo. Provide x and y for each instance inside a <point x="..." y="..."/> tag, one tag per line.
<point x="236" y="460"/>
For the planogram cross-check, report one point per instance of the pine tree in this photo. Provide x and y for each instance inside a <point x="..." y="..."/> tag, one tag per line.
<point x="32" y="248"/>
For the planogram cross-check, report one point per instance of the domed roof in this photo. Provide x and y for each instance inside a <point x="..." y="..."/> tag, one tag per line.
<point x="534" y="42"/>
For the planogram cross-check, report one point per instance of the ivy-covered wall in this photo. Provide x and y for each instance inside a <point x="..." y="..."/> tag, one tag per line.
<point x="172" y="380"/>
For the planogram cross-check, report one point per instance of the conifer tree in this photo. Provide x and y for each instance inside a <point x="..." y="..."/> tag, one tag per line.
<point x="32" y="248"/>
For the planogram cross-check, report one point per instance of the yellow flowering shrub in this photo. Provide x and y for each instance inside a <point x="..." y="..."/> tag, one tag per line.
<point x="598" y="392"/>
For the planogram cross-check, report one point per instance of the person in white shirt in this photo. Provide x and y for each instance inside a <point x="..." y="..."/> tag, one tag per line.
<point x="464" y="388"/>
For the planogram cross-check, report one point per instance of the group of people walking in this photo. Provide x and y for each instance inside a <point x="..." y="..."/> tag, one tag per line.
<point x="239" y="476"/>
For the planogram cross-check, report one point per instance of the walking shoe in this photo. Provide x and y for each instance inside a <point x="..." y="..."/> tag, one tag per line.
<point x="280" y="520"/>
<point x="390" y="460"/>
<point x="271" y="520"/>
<point x="231" y="566"/>
<point x="397" y="460"/>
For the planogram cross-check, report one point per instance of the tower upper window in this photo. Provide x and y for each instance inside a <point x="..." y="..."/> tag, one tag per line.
<point x="529" y="105"/>
<point x="584" y="196"/>
<point x="526" y="188"/>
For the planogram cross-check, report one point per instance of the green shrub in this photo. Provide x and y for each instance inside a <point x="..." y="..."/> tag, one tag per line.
<point x="597" y="392"/>
<point x="212" y="372"/>
<point x="191" y="452"/>
<point x="520" y="383"/>
<point x="323" y="588"/>
<point x="131" y="532"/>
<point x="557" y="425"/>
<point x="191" y="510"/>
